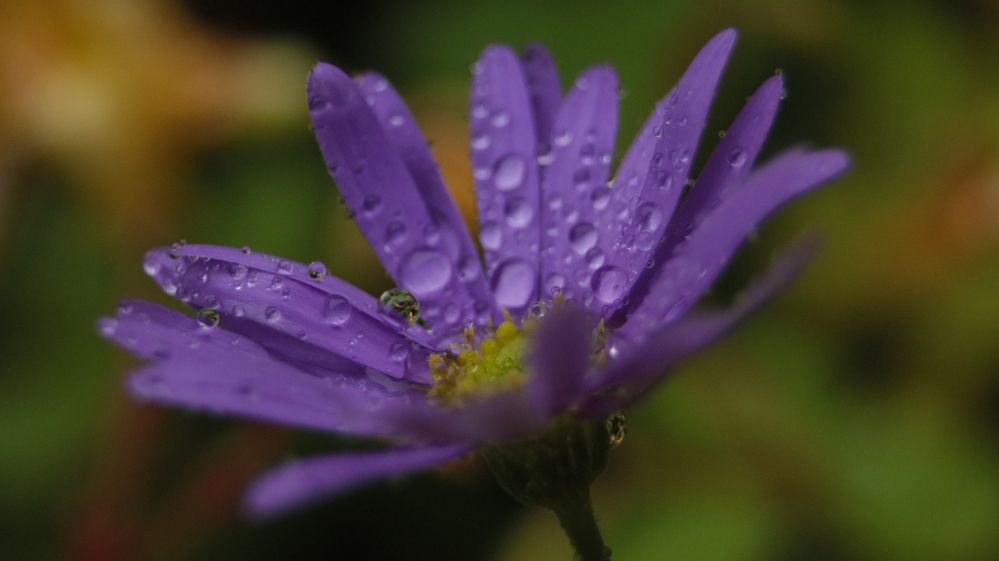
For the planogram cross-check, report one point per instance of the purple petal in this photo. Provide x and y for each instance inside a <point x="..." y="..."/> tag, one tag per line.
<point x="258" y="295"/>
<point x="419" y="250"/>
<point x="506" y="178"/>
<point x="302" y="482"/>
<point x="560" y="356"/>
<point x="638" y="368"/>
<point x="646" y="192"/>
<point x="212" y="369"/>
<point x="698" y="259"/>
<point x="410" y="143"/>
<point x="576" y="196"/>
<point x="492" y="417"/>
<point x="730" y="162"/>
<point x="545" y="90"/>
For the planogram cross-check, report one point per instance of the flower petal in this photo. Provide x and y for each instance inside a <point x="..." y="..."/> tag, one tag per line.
<point x="256" y="290"/>
<point x="506" y="178"/>
<point x="731" y="160"/>
<point x="544" y="87"/>
<point x="697" y="260"/>
<point x="302" y="482"/>
<point x="559" y="358"/>
<point x="210" y="368"/>
<point x="649" y="190"/>
<point x="417" y="247"/>
<point x="453" y="308"/>
<point x="624" y="379"/>
<point x="575" y="192"/>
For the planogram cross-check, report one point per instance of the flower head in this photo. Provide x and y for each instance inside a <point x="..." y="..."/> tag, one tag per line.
<point x="580" y="304"/>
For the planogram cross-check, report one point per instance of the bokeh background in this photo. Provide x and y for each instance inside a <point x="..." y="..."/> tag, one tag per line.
<point x="856" y="418"/>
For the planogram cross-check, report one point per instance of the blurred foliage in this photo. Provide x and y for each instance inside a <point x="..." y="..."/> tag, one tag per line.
<point x="855" y="418"/>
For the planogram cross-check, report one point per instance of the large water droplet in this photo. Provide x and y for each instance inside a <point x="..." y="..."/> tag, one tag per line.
<point x="582" y="236"/>
<point x="737" y="157"/>
<point x="208" y="318"/>
<point x="595" y="258"/>
<point x="337" y="310"/>
<point x="491" y="236"/>
<point x="518" y="213"/>
<point x="609" y="283"/>
<point x="425" y="272"/>
<point x="650" y="218"/>
<point x="513" y="283"/>
<point x="510" y="172"/>
<point x="317" y="270"/>
<point x="600" y="198"/>
<point x="395" y="232"/>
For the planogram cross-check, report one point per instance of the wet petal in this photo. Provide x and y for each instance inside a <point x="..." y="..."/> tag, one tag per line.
<point x="302" y="482"/>
<point x="208" y="368"/>
<point x="646" y="191"/>
<point x="417" y="246"/>
<point x="637" y="368"/>
<point x="449" y="309"/>
<point x="506" y="178"/>
<point x="697" y="260"/>
<point x="730" y="162"/>
<point x="559" y="359"/>
<point x="575" y="192"/>
<point x="259" y="295"/>
<point x="545" y="90"/>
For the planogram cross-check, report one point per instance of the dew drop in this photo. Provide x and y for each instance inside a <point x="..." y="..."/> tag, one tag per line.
<point x="396" y="120"/>
<point x="737" y="158"/>
<point x="398" y="352"/>
<point x="272" y="314"/>
<point x="554" y="284"/>
<point x="237" y="271"/>
<point x="609" y="283"/>
<point x="582" y="236"/>
<point x="649" y="217"/>
<point x="284" y="267"/>
<point x="563" y="138"/>
<point x="151" y="264"/>
<point x="491" y="236"/>
<point x="509" y="173"/>
<point x="317" y="270"/>
<point x="518" y="213"/>
<point x="107" y="326"/>
<point x="372" y="204"/>
<point x="513" y="283"/>
<point x="425" y="272"/>
<point x="208" y="318"/>
<point x="469" y="269"/>
<point x="395" y="232"/>
<point x="481" y="142"/>
<point x="246" y="250"/>
<point x="595" y="258"/>
<point x="337" y="310"/>
<point x="500" y="119"/>
<point x="600" y="198"/>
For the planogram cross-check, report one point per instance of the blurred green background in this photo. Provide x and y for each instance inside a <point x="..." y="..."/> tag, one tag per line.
<point x="856" y="418"/>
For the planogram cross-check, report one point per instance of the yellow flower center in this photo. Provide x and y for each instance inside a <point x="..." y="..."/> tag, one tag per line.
<point x="495" y="363"/>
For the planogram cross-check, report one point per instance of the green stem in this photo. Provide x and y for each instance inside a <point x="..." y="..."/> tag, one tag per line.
<point x="581" y="526"/>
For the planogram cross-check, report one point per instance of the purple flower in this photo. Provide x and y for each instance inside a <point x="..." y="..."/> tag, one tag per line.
<point x="583" y="302"/>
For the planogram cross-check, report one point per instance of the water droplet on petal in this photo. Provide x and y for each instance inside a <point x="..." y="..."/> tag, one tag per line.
<point x="317" y="270"/>
<point x="650" y="218"/>
<point x="284" y="267"/>
<point x="609" y="283"/>
<point x="582" y="236"/>
<point x="513" y="283"/>
<point x="491" y="236"/>
<point x="518" y="213"/>
<point x="372" y="204"/>
<point x="272" y="314"/>
<point x="337" y="310"/>
<point x="509" y="173"/>
<point x="208" y="318"/>
<point x="399" y="352"/>
<point x="737" y="157"/>
<point x="425" y="272"/>
<point x="107" y="326"/>
<point x="246" y="250"/>
<point x="237" y="271"/>
<point x="395" y="232"/>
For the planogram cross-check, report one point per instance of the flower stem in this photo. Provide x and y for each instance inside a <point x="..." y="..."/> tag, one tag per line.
<point x="581" y="526"/>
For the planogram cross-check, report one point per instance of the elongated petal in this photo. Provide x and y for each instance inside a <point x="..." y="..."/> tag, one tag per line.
<point x="575" y="192"/>
<point x="418" y="250"/>
<point x="506" y="178"/>
<point x="698" y="260"/>
<point x="730" y="162"/>
<point x="278" y="295"/>
<point x="559" y="358"/>
<point x="302" y="482"/>
<point x="400" y="125"/>
<point x="545" y="90"/>
<point x="646" y="205"/>
<point x="209" y="368"/>
<point x="624" y="379"/>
